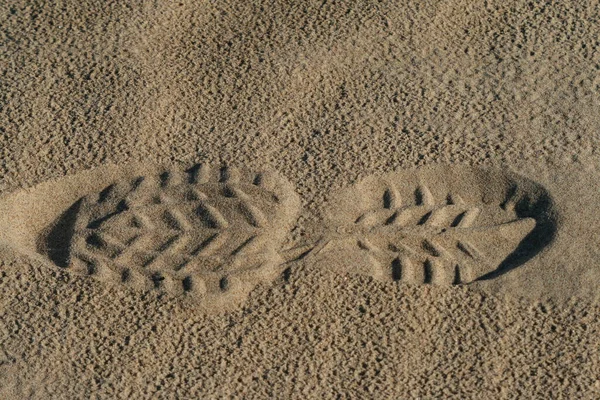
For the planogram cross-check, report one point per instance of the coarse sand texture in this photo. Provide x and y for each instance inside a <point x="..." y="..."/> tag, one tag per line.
<point x="299" y="199"/>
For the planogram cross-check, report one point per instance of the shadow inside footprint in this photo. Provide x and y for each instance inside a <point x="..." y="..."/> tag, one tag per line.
<point x="541" y="236"/>
<point x="55" y="241"/>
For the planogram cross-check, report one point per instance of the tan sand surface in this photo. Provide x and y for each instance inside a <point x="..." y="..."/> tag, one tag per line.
<point x="311" y="199"/>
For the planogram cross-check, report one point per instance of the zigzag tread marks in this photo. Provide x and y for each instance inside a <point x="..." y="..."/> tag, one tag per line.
<point x="423" y="196"/>
<point x="212" y="244"/>
<point x="183" y="233"/>
<point x="199" y="174"/>
<point x="212" y="216"/>
<point x="230" y="175"/>
<point x="254" y="215"/>
<point x="391" y="197"/>
<point x="177" y="219"/>
<point x="480" y="222"/>
<point x="467" y="218"/>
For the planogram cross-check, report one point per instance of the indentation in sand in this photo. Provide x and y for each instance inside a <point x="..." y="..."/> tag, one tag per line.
<point x="441" y="225"/>
<point x="205" y="232"/>
<point x="215" y="233"/>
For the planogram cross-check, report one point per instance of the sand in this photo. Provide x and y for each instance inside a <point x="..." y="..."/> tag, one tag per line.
<point x="300" y="200"/>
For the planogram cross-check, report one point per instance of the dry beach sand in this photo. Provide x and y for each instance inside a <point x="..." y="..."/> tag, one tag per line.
<point x="366" y="199"/>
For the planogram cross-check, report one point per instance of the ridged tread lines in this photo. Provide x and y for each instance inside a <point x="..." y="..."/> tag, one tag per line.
<point x="203" y="231"/>
<point x="420" y="240"/>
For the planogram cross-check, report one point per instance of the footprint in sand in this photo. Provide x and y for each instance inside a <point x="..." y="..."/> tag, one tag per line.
<point x="216" y="233"/>
<point x="206" y="232"/>
<point x="440" y="225"/>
